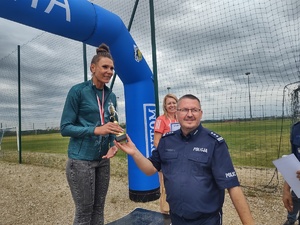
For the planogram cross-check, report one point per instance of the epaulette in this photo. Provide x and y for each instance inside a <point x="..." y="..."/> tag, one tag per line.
<point x="168" y="134"/>
<point x="216" y="136"/>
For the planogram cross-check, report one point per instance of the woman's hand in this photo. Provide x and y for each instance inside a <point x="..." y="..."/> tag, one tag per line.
<point x="108" y="128"/>
<point x="111" y="153"/>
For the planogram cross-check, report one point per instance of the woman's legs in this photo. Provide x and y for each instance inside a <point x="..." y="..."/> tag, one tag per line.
<point x="101" y="187"/>
<point x="88" y="181"/>
<point x="81" y="178"/>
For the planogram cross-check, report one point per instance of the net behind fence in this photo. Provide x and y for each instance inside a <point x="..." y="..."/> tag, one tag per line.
<point x="241" y="58"/>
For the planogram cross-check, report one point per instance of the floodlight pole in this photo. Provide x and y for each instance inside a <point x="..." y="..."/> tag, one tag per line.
<point x="248" y="75"/>
<point x="19" y="106"/>
<point x="154" y="62"/>
<point x="168" y="89"/>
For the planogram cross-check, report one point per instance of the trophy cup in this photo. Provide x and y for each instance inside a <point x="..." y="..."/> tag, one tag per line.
<point x="112" y="111"/>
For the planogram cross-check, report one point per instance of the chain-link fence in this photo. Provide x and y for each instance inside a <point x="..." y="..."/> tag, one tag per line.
<point x="241" y="58"/>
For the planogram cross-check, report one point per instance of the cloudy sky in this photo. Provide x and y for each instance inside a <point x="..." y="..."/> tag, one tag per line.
<point x="14" y="34"/>
<point x="204" y="48"/>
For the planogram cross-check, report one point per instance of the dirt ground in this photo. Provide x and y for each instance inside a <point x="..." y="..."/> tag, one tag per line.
<point x="39" y="195"/>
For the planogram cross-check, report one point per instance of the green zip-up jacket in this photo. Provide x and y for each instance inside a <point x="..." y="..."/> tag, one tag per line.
<point x="81" y="115"/>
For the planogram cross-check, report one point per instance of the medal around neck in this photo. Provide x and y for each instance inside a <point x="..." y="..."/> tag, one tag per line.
<point x="112" y="111"/>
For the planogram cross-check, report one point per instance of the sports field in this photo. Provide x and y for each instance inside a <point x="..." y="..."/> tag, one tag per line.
<point x="251" y="143"/>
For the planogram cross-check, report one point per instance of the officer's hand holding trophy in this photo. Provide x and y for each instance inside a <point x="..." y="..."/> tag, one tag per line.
<point x="121" y="136"/>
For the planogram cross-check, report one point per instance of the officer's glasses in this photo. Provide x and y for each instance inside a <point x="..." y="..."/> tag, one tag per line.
<point x="186" y="110"/>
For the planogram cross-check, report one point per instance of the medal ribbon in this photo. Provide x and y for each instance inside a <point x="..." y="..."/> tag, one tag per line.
<point x="101" y="107"/>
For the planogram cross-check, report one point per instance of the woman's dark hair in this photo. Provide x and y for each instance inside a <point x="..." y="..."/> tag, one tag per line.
<point x="101" y="51"/>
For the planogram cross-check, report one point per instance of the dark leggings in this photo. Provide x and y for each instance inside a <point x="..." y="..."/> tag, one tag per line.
<point x="88" y="181"/>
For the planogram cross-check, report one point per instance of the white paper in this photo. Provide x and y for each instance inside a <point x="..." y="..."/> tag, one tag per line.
<point x="288" y="166"/>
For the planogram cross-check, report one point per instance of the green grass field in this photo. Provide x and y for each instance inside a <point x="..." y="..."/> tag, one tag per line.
<point x="255" y="143"/>
<point x="251" y="143"/>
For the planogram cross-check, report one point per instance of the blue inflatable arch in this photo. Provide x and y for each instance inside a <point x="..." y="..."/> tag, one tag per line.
<point x="86" y="22"/>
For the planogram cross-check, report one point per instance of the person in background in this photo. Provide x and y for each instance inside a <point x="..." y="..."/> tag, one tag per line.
<point x="197" y="169"/>
<point x="85" y="119"/>
<point x="292" y="204"/>
<point x="290" y="200"/>
<point x="163" y="125"/>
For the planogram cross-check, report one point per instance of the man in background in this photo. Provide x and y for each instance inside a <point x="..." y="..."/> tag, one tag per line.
<point x="290" y="200"/>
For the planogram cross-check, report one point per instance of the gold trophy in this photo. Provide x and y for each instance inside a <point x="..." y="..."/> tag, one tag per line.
<point x="112" y="111"/>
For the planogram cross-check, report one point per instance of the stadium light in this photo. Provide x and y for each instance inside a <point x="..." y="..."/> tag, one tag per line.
<point x="248" y="75"/>
<point x="168" y="89"/>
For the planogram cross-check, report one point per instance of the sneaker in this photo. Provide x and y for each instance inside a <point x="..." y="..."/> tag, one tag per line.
<point x="289" y="222"/>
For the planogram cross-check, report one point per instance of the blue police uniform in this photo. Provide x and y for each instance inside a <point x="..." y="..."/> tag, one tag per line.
<point x="197" y="169"/>
<point x="295" y="139"/>
<point x="295" y="145"/>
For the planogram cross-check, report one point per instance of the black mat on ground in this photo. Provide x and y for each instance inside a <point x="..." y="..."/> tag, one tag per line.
<point x="141" y="216"/>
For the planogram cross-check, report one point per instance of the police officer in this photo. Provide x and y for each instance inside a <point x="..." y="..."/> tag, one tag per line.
<point x="197" y="169"/>
<point x="290" y="200"/>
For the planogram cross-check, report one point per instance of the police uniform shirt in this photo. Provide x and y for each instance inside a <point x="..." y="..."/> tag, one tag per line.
<point x="295" y="139"/>
<point x="196" y="170"/>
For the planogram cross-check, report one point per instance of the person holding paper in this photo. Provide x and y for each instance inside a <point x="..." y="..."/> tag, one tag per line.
<point x="290" y="200"/>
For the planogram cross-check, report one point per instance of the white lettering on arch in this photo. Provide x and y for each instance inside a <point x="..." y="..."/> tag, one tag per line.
<point x="149" y="120"/>
<point x="65" y="6"/>
<point x="34" y="3"/>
